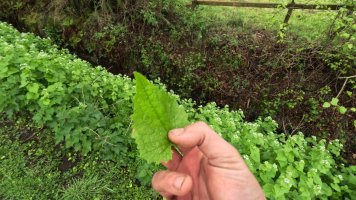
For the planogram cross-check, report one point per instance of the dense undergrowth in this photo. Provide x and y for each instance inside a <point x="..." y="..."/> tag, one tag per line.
<point x="66" y="134"/>
<point x="287" y="74"/>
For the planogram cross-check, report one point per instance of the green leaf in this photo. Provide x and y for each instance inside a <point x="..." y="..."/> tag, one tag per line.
<point x="33" y="87"/>
<point x="300" y="165"/>
<point x="155" y="114"/>
<point x="326" y="105"/>
<point x="334" y="101"/>
<point x="350" y="46"/>
<point x="349" y="93"/>
<point x="326" y="190"/>
<point x="342" y="109"/>
<point x="255" y="154"/>
<point x="33" y="91"/>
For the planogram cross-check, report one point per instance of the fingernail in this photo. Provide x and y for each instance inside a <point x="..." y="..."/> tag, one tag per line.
<point x="179" y="182"/>
<point x="176" y="132"/>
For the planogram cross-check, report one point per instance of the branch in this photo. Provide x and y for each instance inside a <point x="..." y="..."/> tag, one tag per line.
<point x="342" y="88"/>
<point x="347" y="77"/>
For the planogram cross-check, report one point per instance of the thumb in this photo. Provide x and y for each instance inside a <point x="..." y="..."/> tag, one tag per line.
<point x="210" y="144"/>
<point x="172" y="183"/>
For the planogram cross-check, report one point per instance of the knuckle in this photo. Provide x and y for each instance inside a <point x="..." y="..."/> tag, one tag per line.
<point x="200" y="127"/>
<point x="162" y="181"/>
<point x="156" y="179"/>
<point x="202" y="124"/>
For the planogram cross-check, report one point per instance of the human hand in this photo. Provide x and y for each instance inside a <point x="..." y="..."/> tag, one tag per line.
<point x="211" y="168"/>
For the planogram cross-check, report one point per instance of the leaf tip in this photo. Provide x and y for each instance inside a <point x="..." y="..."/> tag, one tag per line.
<point x="138" y="75"/>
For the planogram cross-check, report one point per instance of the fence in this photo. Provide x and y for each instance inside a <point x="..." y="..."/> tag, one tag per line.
<point x="291" y="6"/>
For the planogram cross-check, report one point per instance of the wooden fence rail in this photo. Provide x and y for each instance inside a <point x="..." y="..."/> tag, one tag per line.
<point x="272" y="5"/>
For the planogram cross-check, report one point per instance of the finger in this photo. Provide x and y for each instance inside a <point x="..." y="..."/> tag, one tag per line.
<point x="172" y="183"/>
<point x="166" y="195"/>
<point x="178" y="131"/>
<point x="174" y="163"/>
<point x="210" y="144"/>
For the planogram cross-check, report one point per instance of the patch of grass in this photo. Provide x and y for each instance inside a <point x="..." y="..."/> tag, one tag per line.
<point x="307" y="24"/>
<point x="26" y="172"/>
<point x="30" y="169"/>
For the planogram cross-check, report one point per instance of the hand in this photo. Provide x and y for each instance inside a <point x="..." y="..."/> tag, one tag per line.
<point x="211" y="168"/>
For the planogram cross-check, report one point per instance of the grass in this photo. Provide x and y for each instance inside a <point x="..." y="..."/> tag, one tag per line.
<point x="307" y="24"/>
<point x="32" y="167"/>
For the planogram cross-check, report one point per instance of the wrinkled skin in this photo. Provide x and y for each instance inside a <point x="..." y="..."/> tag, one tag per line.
<point x="211" y="168"/>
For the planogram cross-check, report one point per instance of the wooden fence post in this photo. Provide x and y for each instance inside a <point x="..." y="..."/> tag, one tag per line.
<point x="289" y="13"/>
<point x="194" y="4"/>
<point x="286" y="20"/>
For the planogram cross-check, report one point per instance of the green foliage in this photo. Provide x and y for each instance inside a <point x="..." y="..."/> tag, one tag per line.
<point x="341" y="51"/>
<point x="335" y="103"/>
<point x="87" y="110"/>
<point x="155" y="114"/>
<point x="189" y="80"/>
<point x="155" y="59"/>
<point x="110" y="36"/>
<point x="11" y="7"/>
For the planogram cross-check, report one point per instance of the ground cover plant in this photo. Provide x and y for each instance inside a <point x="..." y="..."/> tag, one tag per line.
<point x="58" y="110"/>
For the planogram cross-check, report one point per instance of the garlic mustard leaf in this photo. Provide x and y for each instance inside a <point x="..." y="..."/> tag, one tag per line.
<point x="155" y="114"/>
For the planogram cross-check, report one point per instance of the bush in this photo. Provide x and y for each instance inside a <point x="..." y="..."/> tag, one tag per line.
<point x="89" y="110"/>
